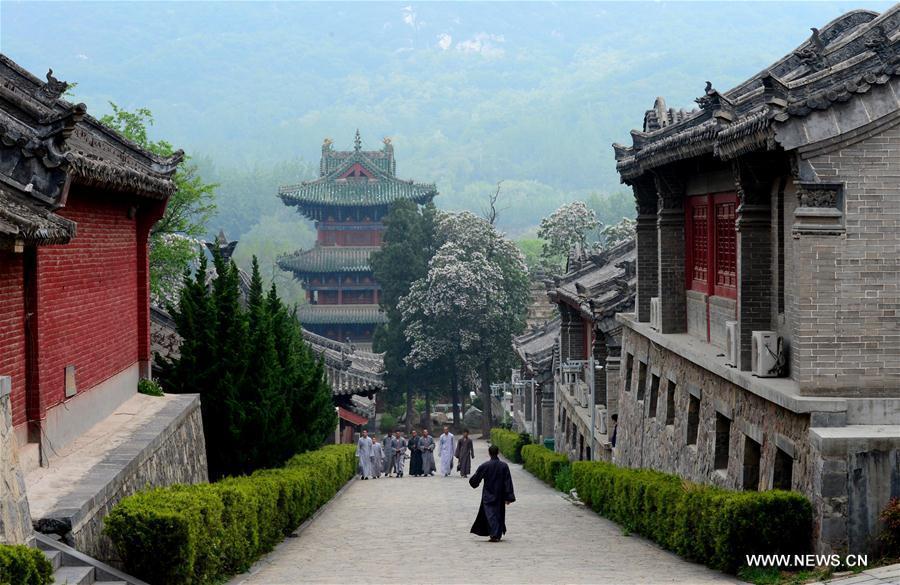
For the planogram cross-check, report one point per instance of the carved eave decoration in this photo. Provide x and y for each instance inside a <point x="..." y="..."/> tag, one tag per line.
<point x="820" y="209"/>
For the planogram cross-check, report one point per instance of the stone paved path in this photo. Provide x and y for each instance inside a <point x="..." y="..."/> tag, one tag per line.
<point x="416" y="530"/>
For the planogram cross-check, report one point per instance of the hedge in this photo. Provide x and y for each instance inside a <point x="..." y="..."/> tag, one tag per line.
<point x="23" y="565"/>
<point x="543" y="463"/>
<point x="702" y="523"/>
<point x="510" y="443"/>
<point x="208" y="532"/>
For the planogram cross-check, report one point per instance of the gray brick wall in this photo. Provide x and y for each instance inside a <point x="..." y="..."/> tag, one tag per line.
<point x="846" y="297"/>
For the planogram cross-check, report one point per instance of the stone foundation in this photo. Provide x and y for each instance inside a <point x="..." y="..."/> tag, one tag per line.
<point x="168" y="449"/>
<point x="15" y="519"/>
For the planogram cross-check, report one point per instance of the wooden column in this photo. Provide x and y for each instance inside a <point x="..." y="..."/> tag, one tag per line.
<point x="671" y="245"/>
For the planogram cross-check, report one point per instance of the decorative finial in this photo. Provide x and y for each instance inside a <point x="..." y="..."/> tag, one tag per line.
<point x="817" y="39"/>
<point x="386" y="140"/>
<point x="709" y="88"/>
<point x="327" y="143"/>
<point x="357" y="142"/>
<point x="53" y="89"/>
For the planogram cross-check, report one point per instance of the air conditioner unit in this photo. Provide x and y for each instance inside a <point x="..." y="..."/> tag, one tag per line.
<point x="655" y="314"/>
<point x="732" y="344"/>
<point x="767" y="358"/>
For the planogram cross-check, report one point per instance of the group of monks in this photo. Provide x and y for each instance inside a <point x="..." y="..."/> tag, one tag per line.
<point x="388" y="456"/>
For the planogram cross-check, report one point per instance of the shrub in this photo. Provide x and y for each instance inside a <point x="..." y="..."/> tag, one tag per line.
<point x="23" y="565"/>
<point x="543" y="463"/>
<point x="564" y="481"/>
<point x="890" y="536"/>
<point x="208" y="532"/>
<point x="702" y="523"/>
<point x="149" y="387"/>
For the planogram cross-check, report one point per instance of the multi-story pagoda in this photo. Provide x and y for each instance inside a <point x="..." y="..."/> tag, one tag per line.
<point x="348" y="201"/>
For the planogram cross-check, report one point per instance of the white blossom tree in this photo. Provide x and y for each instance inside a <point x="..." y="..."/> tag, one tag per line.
<point x="615" y="234"/>
<point x="568" y="226"/>
<point x="470" y="304"/>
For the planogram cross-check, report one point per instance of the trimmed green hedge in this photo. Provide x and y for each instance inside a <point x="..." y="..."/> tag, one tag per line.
<point x="23" y="565"/>
<point x="703" y="523"/>
<point x="510" y="443"/>
<point x="196" y="534"/>
<point x="543" y="463"/>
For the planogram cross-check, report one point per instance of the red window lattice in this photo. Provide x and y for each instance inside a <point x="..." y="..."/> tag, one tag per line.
<point x="711" y="263"/>
<point x="726" y="246"/>
<point x="699" y="243"/>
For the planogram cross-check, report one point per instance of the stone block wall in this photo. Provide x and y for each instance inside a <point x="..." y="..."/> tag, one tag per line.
<point x="169" y="449"/>
<point x="15" y="519"/>
<point x="645" y="441"/>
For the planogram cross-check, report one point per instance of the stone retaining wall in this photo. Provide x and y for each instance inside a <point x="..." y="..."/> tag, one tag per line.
<point x="15" y="519"/>
<point x="167" y="450"/>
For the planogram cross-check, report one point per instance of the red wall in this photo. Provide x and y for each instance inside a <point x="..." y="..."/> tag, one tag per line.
<point x="12" y="330"/>
<point x="88" y="296"/>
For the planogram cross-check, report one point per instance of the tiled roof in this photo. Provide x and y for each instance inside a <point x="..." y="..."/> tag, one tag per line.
<point x="848" y="56"/>
<point x="600" y="285"/>
<point x="340" y="186"/>
<point x="340" y="314"/>
<point x="535" y="347"/>
<point x="323" y="259"/>
<point x="61" y="140"/>
<point x="349" y="370"/>
<point x="353" y="192"/>
<point x="24" y="219"/>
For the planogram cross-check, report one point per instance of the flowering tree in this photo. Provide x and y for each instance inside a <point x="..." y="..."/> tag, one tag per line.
<point x="471" y="302"/>
<point x="617" y="233"/>
<point x="566" y="227"/>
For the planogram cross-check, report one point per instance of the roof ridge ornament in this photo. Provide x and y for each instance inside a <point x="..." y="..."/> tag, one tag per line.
<point x="52" y="90"/>
<point x="813" y="56"/>
<point x="357" y="142"/>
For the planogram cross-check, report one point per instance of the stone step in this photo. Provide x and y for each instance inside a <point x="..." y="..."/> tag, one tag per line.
<point x="110" y="583"/>
<point x="55" y="558"/>
<point x="74" y="576"/>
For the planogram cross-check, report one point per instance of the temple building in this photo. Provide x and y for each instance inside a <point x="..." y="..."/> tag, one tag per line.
<point x="77" y="203"/>
<point x="764" y="351"/>
<point x="348" y="202"/>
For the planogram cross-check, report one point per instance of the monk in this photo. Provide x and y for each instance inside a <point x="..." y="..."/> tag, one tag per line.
<point x="495" y="496"/>
<point x="426" y="445"/>
<point x="377" y="458"/>
<point x="465" y="452"/>
<point x="415" y="455"/>
<point x="446" y="446"/>
<point x="364" y="452"/>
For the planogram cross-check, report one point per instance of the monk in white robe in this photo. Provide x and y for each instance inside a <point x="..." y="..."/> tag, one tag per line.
<point x="364" y="453"/>
<point x="426" y="446"/>
<point x="446" y="446"/>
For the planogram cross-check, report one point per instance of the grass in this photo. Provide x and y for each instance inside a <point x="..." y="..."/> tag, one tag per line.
<point x="775" y="576"/>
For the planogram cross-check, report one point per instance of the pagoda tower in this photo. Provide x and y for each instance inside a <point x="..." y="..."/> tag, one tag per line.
<point x="348" y="202"/>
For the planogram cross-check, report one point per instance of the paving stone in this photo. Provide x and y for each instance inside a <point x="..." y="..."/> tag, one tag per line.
<point x="416" y="530"/>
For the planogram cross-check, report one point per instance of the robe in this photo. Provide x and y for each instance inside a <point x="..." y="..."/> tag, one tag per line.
<point x="445" y="453"/>
<point x="364" y="452"/>
<point x="497" y="491"/>
<point x="465" y="452"/>
<point x="377" y="459"/>
<point x="399" y="455"/>
<point x="415" y="457"/>
<point x="426" y="445"/>
<point x="388" y="455"/>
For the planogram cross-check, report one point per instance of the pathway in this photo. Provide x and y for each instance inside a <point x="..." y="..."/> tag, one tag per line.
<point x="416" y="530"/>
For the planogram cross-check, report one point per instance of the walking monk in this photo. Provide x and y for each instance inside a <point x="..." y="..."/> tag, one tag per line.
<point x="426" y="446"/>
<point x="415" y="455"/>
<point x="495" y="496"/>
<point x="364" y="452"/>
<point x="445" y="451"/>
<point x="465" y="452"/>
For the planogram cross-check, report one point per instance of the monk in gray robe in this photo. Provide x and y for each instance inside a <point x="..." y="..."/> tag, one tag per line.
<point x="426" y="445"/>
<point x="399" y="444"/>
<point x="364" y="453"/>
<point x="465" y="452"/>
<point x="377" y="458"/>
<point x="446" y="449"/>
<point x="388" y="447"/>
<point x="496" y="495"/>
